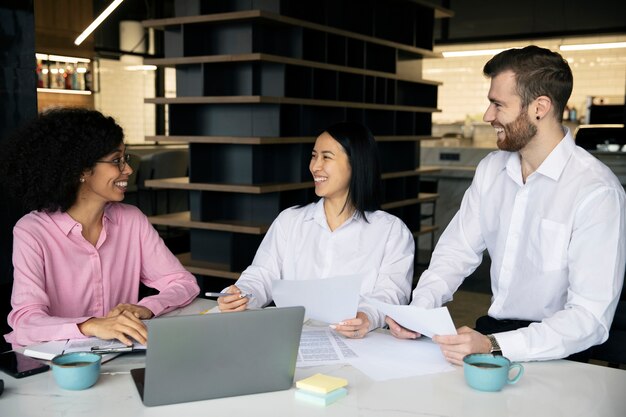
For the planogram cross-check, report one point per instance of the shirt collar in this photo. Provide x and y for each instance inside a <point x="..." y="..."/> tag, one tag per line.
<point x="318" y="214"/>
<point x="554" y="164"/>
<point x="66" y="223"/>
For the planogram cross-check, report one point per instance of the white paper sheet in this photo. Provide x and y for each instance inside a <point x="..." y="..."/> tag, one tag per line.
<point x="428" y="322"/>
<point x="381" y="356"/>
<point x="330" y="300"/>
<point x="321" y="346"/>
<point x="85" y="345"/>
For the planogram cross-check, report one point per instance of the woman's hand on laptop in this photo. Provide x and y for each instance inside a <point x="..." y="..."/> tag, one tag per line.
<point x="122" y="327"/>
<point x="234" y="302"/>
<point x="355" y="328"/>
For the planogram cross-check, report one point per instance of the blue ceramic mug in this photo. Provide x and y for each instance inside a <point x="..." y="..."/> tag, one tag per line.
<point x="487" y="372"/>
<point x="77" y="370"/>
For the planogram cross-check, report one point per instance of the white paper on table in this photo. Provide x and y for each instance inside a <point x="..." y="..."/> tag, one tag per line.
<point x="427" y="322"/>
<point x="321" y="346"/>
<point x="85" y="345"/>
<point x="330" y="300"/>
<point x="381" y="356"/>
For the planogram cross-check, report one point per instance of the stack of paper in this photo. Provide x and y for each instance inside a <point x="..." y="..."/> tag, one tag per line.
<point x="47" y="350"/>
<point x="321" y="389"/>
<point x="110" y="348"/>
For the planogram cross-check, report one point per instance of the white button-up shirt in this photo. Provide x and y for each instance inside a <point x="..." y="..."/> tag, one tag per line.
<point x="300" y="246"/>
<point x="557" y="244"/>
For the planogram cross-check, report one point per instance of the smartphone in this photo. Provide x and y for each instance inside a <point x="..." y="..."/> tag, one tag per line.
<point x="18" y="365"/>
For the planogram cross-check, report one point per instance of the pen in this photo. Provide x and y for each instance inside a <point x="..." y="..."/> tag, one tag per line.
<point x="223" y="294"/>
<point x="122" y="349"/>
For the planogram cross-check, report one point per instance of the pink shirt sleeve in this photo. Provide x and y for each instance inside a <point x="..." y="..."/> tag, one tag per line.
<point x="30" y="317"/>
<point x="161" y="270"/>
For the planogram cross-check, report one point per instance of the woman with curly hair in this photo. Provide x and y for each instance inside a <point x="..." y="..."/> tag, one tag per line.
<point x="80" y="254"/>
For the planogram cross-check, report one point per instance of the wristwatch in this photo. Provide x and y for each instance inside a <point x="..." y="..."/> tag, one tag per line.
<point x="495" y="347"/>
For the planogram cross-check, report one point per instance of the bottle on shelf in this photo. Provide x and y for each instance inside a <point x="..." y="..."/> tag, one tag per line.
<point x="67" y="76"/>
<point x="566" y="113"/>
<point x="80" y="76"/>
<point x="57" y="80"/>
<point x="573" y="115"/>
<point x="39" y="74"/>
<point x="88" y="79"/>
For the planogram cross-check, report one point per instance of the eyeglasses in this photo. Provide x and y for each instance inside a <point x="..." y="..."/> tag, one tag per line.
<point x="120" y="162"/>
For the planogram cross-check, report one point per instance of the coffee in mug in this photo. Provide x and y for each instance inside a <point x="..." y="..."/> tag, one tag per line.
<point x="487" y="372"/>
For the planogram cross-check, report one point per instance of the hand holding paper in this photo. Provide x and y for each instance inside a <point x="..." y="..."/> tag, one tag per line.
<point x="428" y="322"/>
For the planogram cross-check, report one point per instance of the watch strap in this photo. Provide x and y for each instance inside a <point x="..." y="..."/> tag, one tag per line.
<point x="495" y="346"/>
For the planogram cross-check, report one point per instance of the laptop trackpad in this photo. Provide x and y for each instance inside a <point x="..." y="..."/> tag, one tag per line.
<point x="139" y="376"/>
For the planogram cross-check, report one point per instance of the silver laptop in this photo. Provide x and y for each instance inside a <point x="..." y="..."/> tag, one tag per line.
<point x="193" y="358"/>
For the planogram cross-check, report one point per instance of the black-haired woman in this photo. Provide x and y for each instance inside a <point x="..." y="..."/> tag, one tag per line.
<point x="344" y="233"/>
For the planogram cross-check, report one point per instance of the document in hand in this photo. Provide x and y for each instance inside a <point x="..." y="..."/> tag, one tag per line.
<point x="428" y="322"/>
<point x="330" y="300"/>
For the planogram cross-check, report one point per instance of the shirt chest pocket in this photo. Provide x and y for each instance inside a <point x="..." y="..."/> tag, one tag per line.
<point x="548" y="241"/>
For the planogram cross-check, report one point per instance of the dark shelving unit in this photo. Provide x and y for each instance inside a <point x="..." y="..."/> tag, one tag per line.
<point x="257" y="80"/>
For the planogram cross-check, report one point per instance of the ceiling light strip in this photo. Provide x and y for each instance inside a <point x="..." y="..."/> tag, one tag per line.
<point x="480" y="52"/>
<point x="593" y="46"/>
<point x="97" y="22"/>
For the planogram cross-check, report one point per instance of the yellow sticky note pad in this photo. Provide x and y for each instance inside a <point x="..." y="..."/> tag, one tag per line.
<point x="321" y="383"/>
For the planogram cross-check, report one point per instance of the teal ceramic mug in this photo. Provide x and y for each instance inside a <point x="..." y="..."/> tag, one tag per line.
<point x="487" y="372"/>
<point x="77" y="370"/>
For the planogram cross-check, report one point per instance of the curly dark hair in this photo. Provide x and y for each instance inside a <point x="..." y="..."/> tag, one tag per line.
<point x="42" y="162"/>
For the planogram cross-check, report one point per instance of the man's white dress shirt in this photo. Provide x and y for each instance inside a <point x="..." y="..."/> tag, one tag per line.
<point x="557" y="245"/>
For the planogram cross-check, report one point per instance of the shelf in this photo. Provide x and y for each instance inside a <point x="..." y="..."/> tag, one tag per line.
<point x="424" y="230"/>
<point x="241" y="140"/>
<point x="221" y="270"/>
<point x="285" y="100"/>
<point x="206" y="268"/>
<point x="284" y="73"/>
<point x="421" y="199"/>
<point x="182" y="183"/>
<point x="61" y="91"/>
<point x="261" y="14"/>
<point x="183" y="219"/>
<point x="263" y="57"/>
<point x="410" y="173"/>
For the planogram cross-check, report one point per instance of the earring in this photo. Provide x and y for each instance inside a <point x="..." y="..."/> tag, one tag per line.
<point x="538" y="117"/>
<point x="82" y="180"/>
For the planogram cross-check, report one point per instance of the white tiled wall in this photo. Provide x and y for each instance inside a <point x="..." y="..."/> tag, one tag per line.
<point x="121" y="96"/>
<point x="464" y="90"/>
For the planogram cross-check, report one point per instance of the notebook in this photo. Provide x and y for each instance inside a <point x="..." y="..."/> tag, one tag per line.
<point x="191" y="358"/>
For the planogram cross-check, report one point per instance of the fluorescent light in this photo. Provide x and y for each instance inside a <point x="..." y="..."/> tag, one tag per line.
<point x="590" y="46"/>
<point x="141" y="68"/>
<point x="97" y="22"/>
<point x="479" y="52"/>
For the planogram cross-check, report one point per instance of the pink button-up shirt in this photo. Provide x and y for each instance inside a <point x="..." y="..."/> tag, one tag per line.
<point x="61" y="279"/>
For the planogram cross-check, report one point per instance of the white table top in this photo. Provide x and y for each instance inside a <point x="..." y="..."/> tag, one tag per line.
<point x="553" y="388"/>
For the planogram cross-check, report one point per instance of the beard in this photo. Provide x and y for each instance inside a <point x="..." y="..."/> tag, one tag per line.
<point x="518" y="133"/>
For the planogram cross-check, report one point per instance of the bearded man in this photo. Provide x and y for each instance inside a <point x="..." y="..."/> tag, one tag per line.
<point x="551" y="217"/>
